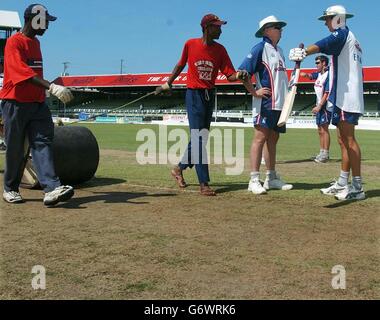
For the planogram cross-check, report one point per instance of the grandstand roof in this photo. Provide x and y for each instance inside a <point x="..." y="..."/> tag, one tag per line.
<point x="371" y="76"/>
<point x="9" y="20"/>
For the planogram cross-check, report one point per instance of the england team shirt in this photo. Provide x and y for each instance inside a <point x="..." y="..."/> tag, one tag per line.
<point x="346" y="72"/>
<point x="267" y="63"/>
<point x="22" y="61"/>
<point x="321" y="86"/>
<point x="204" y="62"/>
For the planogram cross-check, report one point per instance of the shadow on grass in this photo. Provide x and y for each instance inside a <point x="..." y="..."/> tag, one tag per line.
<point x="228" y="187"/>
<point x="303" y="160"/>
<point x="244" y="185"/>
<point x="100" y="182"/>
<point x="223" y="188"/>
<point x="111" y="198"/>
<point x="106" y="198"/>
<point x="309" y="186"/>
<point x="369" y="194"/>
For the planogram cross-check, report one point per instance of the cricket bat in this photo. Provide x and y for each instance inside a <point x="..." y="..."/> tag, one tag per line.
<point x="292" y="91"/>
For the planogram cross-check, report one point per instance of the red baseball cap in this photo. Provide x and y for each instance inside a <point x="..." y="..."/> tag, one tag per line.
<point x="211" y="19"/>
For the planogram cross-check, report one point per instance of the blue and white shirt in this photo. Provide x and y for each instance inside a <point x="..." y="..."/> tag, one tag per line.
<point x="321" y="86"/>
<point x="346" y="72"/>
<point x="267" y="63"/>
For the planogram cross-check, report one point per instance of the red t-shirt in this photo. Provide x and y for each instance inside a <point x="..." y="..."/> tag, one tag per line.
<point x="22" y="61"/>
<point x="204" y="62"/>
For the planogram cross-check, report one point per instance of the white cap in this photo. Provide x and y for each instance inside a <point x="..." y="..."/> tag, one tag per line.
<point x="335" y="10"/>
<point x="268" y="20"/>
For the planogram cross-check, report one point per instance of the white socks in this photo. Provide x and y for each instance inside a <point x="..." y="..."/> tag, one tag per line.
<point x="357" y="182"/>
<point x="343" y="178"/>
<point x="271" y="174"/>
<point x="255" y="175"/>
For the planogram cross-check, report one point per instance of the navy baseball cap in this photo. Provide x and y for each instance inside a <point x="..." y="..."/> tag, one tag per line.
<point x="36" y="9"/>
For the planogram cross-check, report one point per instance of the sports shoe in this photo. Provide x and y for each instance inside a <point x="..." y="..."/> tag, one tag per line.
<point x="321" y="158"/>
<point x="277" y="184"/>
<point x="59" y="194"/>
<point x="314" y="157"/>
<point x="334" y="188"/>
<point x="256" y="187"/>
<point x="12" y="197"/>
<point x="350" y="193"/>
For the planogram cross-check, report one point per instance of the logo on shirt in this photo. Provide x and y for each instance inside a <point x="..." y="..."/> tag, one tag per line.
<point x="280" y="67"/>
<point x="357" y="46"/>
<point x="34" y="64"/>
<point x="205" y="69"/>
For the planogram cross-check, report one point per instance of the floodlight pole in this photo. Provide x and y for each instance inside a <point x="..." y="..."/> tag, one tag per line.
<point x="121" y="66"/>
<point x="65" y="67"/>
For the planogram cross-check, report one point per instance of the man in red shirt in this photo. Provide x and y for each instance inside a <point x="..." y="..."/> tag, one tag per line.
<point x="25" y="113"/>
<point x="204" y="58"/>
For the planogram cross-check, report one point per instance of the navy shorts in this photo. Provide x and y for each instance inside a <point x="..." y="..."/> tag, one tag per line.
<point x="323" y="117"/>
<point x="269" y="119"/>
<point x="340" y="115"/>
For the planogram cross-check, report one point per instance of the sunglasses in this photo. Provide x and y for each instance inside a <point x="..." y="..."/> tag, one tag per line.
<point x="277" y="27"/>
<point x="317" y="62"/>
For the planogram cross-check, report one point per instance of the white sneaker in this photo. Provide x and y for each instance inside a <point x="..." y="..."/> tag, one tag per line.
<point x="350" y="193"/>
<point x="321" y="158"/>
<point x="256" y="187"/>
<point x="314" y="157"/>
<point x="277" y="184"/>
<point x="12" y="197"/>
<point x="59" y="194"/>
<point x="334" y="188"/>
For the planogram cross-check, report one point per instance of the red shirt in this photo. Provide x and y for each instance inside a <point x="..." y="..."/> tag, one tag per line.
<point x="204" y="62"/>
<point x="22" y="61"/>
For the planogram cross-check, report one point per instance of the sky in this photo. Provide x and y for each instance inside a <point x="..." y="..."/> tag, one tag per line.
<point x="148" y="35"/>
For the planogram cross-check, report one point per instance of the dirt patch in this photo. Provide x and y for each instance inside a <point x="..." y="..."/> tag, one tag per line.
<point x="118" y="239"/>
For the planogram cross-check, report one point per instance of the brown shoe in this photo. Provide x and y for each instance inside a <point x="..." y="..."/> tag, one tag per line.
<point x="177" y="175"/>
<point x="207" y="191"/>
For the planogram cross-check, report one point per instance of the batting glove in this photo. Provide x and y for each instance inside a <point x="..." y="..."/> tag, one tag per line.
<point x="163" y="88"/>
<point x="61" y="92"/>
<point x="241" y="75"/>
<point x="297" y="54"/>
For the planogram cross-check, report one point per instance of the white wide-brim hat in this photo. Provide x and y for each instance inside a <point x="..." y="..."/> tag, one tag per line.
<point x="334" y="11"/>
<point x="271" y="20"/>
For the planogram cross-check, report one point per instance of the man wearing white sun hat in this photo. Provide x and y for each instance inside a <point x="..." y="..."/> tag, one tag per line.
<point x="346" y="94"/>
<point x="266" y="61"/>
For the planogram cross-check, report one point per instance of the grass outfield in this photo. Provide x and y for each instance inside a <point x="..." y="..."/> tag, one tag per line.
<point x="129" y="233"/>
<point x="295" y="147"/>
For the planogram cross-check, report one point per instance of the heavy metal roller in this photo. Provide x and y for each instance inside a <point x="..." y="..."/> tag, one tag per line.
<point x="76" y="157"/>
